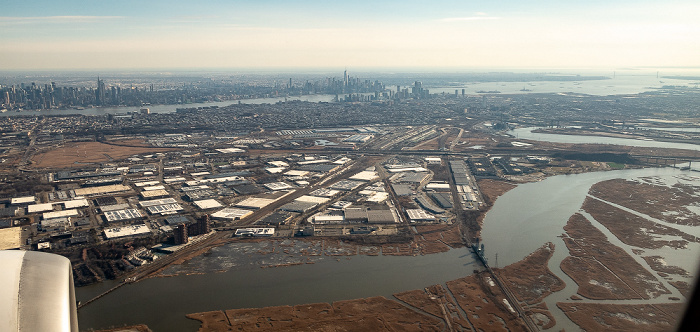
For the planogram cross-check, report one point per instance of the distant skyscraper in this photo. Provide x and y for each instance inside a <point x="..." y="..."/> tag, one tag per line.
<point x="346" y="80"/>
<point x="100" y="92"/>
<point x="417" y="89"/>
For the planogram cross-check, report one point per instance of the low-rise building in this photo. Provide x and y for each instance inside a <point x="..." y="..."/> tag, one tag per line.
<point x="266" y="231"/>
<point x="126" y="231"/>
<point x="231" y="214"/>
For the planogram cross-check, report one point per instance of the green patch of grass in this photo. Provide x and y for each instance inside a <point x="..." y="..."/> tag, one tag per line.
<point x="616" y="165"/>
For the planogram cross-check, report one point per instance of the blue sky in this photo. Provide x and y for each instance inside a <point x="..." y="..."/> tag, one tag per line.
<point x="308" y="34"/>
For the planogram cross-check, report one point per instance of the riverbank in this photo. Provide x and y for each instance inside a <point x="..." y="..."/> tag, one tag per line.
<point x="465" y="303"/>
<point x="267" y="253"/>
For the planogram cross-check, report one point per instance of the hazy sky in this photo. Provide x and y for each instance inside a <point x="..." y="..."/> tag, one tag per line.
<point x="308" y="33"/>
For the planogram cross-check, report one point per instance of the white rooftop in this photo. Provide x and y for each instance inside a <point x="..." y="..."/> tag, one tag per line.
<point x="206" y="204"/>
<point x="117" y="232"/>
<point x="312" y="199"/>
<point x="296" y="173"/>
<point x="34" y="208"/>
<point x="158" y="187"/>
<point x="255" y="203"/>
<point x="419" y="214"/>
<point x="275" y="170"/>
<point x="231" y="150"/>
<point x="231" y="213"/>
<point x="278" y="163"/>
<point x="23" y="200"/>
<point x="146" y="183"/>
<point x="75" y="203"/>
<point x="58" y="214"/>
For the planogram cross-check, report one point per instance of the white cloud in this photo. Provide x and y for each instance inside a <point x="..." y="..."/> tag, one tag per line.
<point x="470" y="18"/>
<point x="9" y="20"/>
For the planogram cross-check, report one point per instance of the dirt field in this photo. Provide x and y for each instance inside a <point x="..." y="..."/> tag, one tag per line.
<point x="492" y="189"/>
<point x="436" y="301"/>
<point x="371" y="314"/>
<point x="78" y="154"/>
<point x="602" y="270"/>
<point x="438" y="238"/>
<point x="618" y="317"/>
<point x="483" y="301"/>
<point x="430" y="309"/>
<point x="530" y="279"/>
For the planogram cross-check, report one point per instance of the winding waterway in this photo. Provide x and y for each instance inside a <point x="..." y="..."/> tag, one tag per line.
<point x="533" y="214"/>
<point x="521" y="221"/>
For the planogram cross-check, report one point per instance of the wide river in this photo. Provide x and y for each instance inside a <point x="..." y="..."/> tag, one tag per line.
<point x="171" y="108"/>
<point x="522" y="220"/>
<point x="162" y="303"/>
<point x="527" y="133"/>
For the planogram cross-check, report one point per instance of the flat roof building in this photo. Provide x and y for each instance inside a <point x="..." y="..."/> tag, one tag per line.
<point x="35" y="208"/>
<point x="255" y="203"/>
<point x="101" y="190"/>
<point x="207" y="204"/>
<point x="346" y="185"/>
<point x="296" y="173"/>
<point x="119" y="215"/>
<point x="155" y="202"/>
<point x="148" y="194"/>
<point x="126" y="231"/>
<point x="324" y="192"/>
<point x="58" y="214"/>
<point x="419" y="215"/>
<point x="365" y="176"/>
<point x="22" y="200"/>
<point x="164" y="209"/>
<point x="277" y="186"/>
<point x="231" y="214"/>
<point x="328" y="219"/>
<point x="114" y="207"/>
<point x="267" y="231"/>
<point x="312" y="199"/>
<point x="297" y="206"/>
<point x="362" y="214"/>
<point x="76" y="203"/>
<point x="402" y="189"/>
